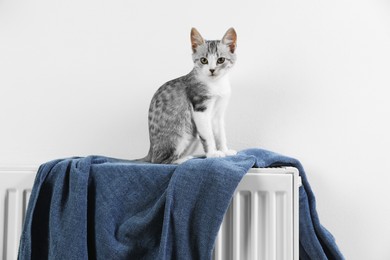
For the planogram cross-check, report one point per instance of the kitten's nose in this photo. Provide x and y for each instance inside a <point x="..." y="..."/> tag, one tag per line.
<point x="212" y="71"/>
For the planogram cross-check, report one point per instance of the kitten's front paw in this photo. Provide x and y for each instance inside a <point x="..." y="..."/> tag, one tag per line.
<point x="215" y="154"/>
<point x="229" y="152"/>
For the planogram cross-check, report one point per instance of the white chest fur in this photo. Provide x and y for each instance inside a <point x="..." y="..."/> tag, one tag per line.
<point x="219" y="90"/>
<point x="219" y="87"/>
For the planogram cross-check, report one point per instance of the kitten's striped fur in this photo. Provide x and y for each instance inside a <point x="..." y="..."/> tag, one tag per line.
<point x="191" y="108"/>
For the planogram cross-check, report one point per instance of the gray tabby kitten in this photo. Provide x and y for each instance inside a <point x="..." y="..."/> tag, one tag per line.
<point x="191" y="108"/>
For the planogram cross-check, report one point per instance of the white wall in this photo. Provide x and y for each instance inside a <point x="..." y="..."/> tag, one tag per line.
<point x="312" y="81"/>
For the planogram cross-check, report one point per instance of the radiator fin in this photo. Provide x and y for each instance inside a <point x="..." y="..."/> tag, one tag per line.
<point x="11" y="232"/>
<point x="262" y="224"/>
<point x="281" y="228"/>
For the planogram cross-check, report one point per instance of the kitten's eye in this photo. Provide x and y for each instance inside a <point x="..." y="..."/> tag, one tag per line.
<point x="204" y="60"/>
<point x="221" y="60"/>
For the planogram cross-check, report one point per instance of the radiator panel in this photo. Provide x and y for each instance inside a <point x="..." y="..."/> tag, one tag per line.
<point x="262" y="220"/>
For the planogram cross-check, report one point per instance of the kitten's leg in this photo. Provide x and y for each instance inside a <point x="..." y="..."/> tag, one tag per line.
<point x="192" y="147"/>
<point x="164" y="153"/>
<point x="203" y="125"/>
<point x="219" y="127"/>
<point x="220" y="137"/>
<point x="188" y="152"/>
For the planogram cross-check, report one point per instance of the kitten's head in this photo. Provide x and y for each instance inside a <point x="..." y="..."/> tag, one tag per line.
<point x="213" y="59"/>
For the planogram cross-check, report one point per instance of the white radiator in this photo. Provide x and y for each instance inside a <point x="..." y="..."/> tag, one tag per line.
<point x="261" y="222"/>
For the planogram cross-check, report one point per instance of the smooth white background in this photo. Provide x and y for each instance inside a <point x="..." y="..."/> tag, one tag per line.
<point x="311" y="81"/>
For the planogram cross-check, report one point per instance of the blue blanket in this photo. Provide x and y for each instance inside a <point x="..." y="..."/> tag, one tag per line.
<point x="103" y="208"/>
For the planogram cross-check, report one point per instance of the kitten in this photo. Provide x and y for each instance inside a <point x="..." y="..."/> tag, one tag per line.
<point x="191" y="108"/>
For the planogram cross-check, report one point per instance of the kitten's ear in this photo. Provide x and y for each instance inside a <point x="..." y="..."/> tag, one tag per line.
<point x="230" y="39"/>
<point x="196" y="39"/>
